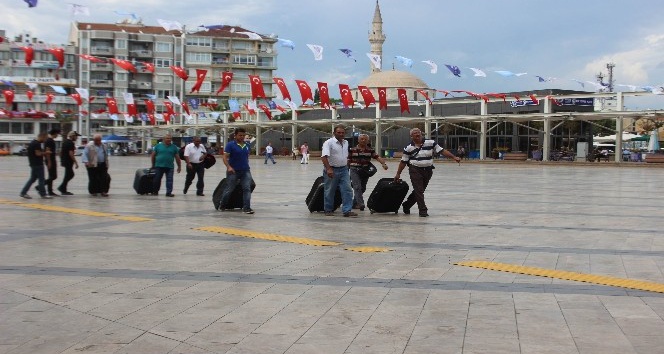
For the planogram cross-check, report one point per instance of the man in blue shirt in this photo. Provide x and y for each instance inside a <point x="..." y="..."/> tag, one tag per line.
<point x="236" y="159"/>
<point x="162" y="161"/>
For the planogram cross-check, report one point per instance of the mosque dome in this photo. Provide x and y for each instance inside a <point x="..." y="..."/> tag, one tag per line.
<point x="394" y="79"/>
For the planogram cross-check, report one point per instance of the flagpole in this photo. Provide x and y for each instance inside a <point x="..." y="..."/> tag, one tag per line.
<point x="182" y="57"/>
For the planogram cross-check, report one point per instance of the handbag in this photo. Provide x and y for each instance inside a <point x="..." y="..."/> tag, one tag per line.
<point x="367" y="171"/>
<point x="209" y="161"/>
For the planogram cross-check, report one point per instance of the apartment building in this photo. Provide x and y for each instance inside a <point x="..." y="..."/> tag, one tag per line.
<point x="31" y="85"/>
<point x="215" y="50"/>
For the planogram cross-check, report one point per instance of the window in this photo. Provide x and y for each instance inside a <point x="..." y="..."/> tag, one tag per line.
<point x="28" y="128"/>
<point x="221" y="45"/>
<point x="244" y="59"/>
<point x="245" y="88"/>
<point x="164" y="47"/>
<point x="243" y="46"/>
<point x="4" y="127"/>
<point x="164" y="79"/>
<point x="162" y="62"/>
<point x="120" y="44"/>
<point x="120" y="76"/>
<point x="199" y="41"/>
<point x="202" y="58"/>
<point x="16" y="128"/>
<point x="205" y="87"/>
<point x="163" y="94"/>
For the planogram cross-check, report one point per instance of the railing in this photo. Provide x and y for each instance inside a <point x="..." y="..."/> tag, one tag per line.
<point x="101" y="83"/>
<point x="101" y="50"/>
<point x="141" y="53"/>
<point x="140" y="84"/>
<point x="101" y="66"/>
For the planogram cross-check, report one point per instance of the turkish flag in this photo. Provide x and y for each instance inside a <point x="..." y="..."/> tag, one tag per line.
<point x="256" y="87"/>
<point x="77" y="98"/>
<point x="9" y="97"/>
<point x="346" y="96"/>
<point x="250" y="108"/>
<point x="49" y="98"/>
<point x="185" y="107"/>
<point x="29" y="54"/>
<point x="112" y="105"/>
<point x="124" y="64"/>
<point x="237" y="115"/>
<point x="282" y="87"/>
<point x="30" y="94"/>
<point x="403" y="100"/>
<point x="169" y="107"/>
<point x="423" y="93"/>
<point x="131" y="109"/>
<point x="324" y="94"/>
<point x="305" y="91"/>
<point x="226" y="78"/>
<point x="366" y="95"/>
<point x="150" y="106"/>
<point x="282" y="109"/>
<point x="200" y="76"/>
<point x="91" y="58"/>
<point x="382" y="98"/>
<point x="167" y="118"/>
<point x="152" y="119"/>
<point x="148" y="67"/>
<point x="180" y="72"/>
<point x="266" y="110"/>
<point x="59" y="55"/>
<point x="534" y="98"/>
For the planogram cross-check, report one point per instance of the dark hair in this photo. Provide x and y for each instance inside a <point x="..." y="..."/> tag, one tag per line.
<point x="54" y="131"/>
<point x="240" y="130"/>
<point x="339" y="127"/>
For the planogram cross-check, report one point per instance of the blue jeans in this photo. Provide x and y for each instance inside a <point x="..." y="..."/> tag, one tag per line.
<point x="341" y="180"/>
<point x="232" y="179"/>
<point x="269" y="157"/>
<point x="158" y="173"/>
<point x="36" y="174"/>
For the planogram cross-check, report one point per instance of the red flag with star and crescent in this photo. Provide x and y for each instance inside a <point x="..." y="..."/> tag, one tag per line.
<point x="305" y="91"/>
<point x="426" y="97"/>
<point x="9" y="97"/>
<point x="185" y="107"/>
<point x="282" y="87"/>
<point x="30" y="94"/>
<point x="324" y="95"/>
<point x="265" y="109"/>
<point x="59" y="54"/>
<point x="29" y="54"/>
<point x="169" y="107"/>
<point x="382" y="98"/>
<point x="77" y="98"/>
<point x="150" y="106"/>
<point x="132" y="110"/>
<point x="180" y="72"/>
<point x="226" y="78"/>
<point x="346" y="96"/>
<point x="147" y="66"/>
<point x="112" y="105"/>
<point x="49" y="98"/>
<point x="200" y="76"/>
<point x="124" y="64"/>
<point x="91" y="58"/>
<point x="367" y="95"/>
<point x="403" y="100"/>
<point x="256" y="87"/>
<point x="152" y="118"/>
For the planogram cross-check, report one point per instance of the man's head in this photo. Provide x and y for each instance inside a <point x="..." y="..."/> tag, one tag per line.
<point x="197" y="141"/>
<point x="269" y="143"/>
<point x="97" y="139"/>
<point x="416" y="135"/>
<point x="339" y="132"/>
<point x="240" y="133"/>
<point x="41" y="137"/>
<point x="168" y="139"/>
<point x="362" y="140"/>
<point x="54" y="133"/>
<point x="73" y="135"/>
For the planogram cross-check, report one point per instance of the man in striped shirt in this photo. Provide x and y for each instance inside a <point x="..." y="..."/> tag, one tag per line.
<point x="359" y="159"/>
<point x="418" y="155"/>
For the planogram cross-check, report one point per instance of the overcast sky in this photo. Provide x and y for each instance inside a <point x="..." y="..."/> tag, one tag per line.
<point x="564" y="39"/>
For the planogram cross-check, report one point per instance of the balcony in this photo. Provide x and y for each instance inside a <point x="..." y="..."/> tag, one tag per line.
<point x="220" y="61"/>
<point x="101" y="51"/>
<point x="142" y="53"/>
<point x="101" y="67"/>
<point x="143" y="85"/>
<point x="101" y="83"/>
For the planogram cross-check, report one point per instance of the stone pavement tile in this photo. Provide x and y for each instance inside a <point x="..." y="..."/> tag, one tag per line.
<point x="6" y="348"/>
<point x="221" y="334"/>
<point x="541" y="324"/>
<point x="79" y="348"/>
<point x="490" y="345"/>
<point x="391" y="325"/>
<point x="185" y="348"/>
<point x="11" y="299"/>
<point x="656" y="304"/>
<point x="535" y="348"/>
<point x="646" y="344"/>
<point x="121" y="307"/>
<point x="263" y="343"/>
<point x="149" y="343"/>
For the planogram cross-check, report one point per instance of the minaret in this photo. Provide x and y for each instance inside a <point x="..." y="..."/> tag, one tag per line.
<point x="376" y="36"/>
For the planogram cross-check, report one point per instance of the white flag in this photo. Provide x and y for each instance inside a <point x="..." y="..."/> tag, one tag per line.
<point x="317" y="50"/>
<point x="478" y="72"/>
<point x="77" y="9"/>
<point x="128" y="118"/>
<point x="33" y="86"/>
<point x="170" y="25"/>
<point x="114" y="116"/>
<point x="252" y="35"/>
<point x="128" y="98"/>
<point x="175" y="100"/>
<point x="85" y="94"/>
<point x="159" y="117"/>
<point x="291" y="104"/>
<point x="434" y="66"/>
<point x="375" y="60"/>
<point x="251" y="104"/>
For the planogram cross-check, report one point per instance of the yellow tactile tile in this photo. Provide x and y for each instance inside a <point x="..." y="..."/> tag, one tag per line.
<point x="67" y="210"/>
<point x="266" y="236"/>
<point x="561" y="274"/>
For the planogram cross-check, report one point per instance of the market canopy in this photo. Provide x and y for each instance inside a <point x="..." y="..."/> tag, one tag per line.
<point x="115" y="139"/>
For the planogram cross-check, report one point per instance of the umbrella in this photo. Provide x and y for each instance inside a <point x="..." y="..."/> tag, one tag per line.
<point x="115" y="139"/>
<point x="653" y="144"/>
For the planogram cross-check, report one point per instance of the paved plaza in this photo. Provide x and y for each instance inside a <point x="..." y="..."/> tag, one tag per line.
<point x="150" y="274"/>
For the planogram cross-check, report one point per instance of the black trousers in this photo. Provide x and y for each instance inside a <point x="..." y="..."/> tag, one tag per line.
<point x="419" y="178"/>
<point x="52" y="176"/>
<point x="99" y="180"/>
<point x="69" y="175"/>
<point x="197" y="169"/>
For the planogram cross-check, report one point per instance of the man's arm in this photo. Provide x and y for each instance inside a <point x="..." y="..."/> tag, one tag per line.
<point x="229" y="168"/>
<point x="179" y="162"/>
<point x="153" y="157"/>
<point x="73" y="157"/>
<point x="451" y="155"/>
<point x="402" y="165"/>
<point x="381" y="160"/>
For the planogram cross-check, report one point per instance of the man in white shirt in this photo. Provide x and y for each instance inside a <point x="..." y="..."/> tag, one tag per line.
<point x="269" y="150"/>
<point x="194" y="155"/>
<point x="335" y="174"/>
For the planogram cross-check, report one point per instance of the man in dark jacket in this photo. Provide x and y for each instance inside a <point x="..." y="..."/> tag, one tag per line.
<point x="68" y="161"/>
<point x="36" y="155"/>
<point x="51" y="163"/>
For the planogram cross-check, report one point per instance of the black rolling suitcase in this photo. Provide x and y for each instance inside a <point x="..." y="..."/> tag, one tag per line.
<point x="387" y="196"/>
<point x="235" y="201"/>
<point x="316" y="198"/>
<point x="143" y="181"/>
